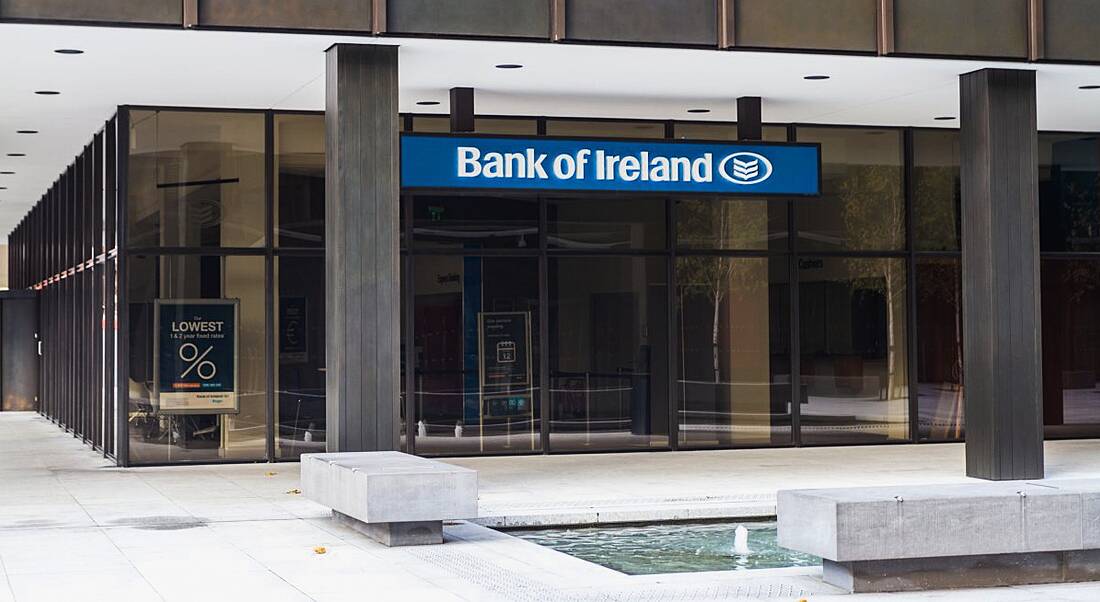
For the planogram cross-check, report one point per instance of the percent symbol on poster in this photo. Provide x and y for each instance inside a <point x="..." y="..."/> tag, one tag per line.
<point x="189" y="353"/>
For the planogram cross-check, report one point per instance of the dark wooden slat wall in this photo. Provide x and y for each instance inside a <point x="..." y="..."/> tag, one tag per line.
<point x="972" y="28"/>
<point x="140" y="12"/>
<point x="349" y="15"/>
<point x="689" y="22"/>
<point x="848" y="25"/>
<point x="491" y="18"/>
<point x="1018" y="30"/>
<point x="361" y="245"/>
<point x="1000" y="275"/>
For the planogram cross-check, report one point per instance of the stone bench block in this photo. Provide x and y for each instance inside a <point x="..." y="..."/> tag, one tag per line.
<point x="393" y="497"/>
<point x="880" y="538"/>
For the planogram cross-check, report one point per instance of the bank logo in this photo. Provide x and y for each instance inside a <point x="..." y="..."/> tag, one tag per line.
<point x="745" y="168"/>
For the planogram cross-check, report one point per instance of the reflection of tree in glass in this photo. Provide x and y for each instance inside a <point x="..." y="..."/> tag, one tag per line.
<point x="1080" y="209"/>
<point x="939" y="280"/>
<point x="874" y="219"/>
<point x="936" y="215"/>
<point x="729" y="224"/>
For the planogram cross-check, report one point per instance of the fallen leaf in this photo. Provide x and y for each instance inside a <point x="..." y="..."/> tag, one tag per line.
<point x="271" y="474"/>
<point x="294" y="491"/>
<point x="322" y="550"/>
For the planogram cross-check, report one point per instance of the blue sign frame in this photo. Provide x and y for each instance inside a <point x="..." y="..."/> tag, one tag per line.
<point x="483" y="162"/>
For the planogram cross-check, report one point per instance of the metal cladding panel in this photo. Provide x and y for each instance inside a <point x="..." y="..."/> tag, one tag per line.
<point x="1000" y="274"/>
<point x="504" y="18"/>
<point x="350" y="15"/>
<point x="847" y="25"/>
<point x="643" y="21"/>
<point x="992" y="28"/>
<point x="149" y="12"/>
<point x="361" y="248"/>
<point x="1072" y="30"/>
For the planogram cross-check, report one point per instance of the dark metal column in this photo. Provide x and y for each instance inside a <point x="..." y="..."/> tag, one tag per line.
<point x="749" y="124"/>
<point x="1000" y="273"/>
<point x="361" y="247"/>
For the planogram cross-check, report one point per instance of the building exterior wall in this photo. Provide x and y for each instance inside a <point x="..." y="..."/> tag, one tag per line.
<point x="629" y="349"/>
<point x="1016" y="30"/>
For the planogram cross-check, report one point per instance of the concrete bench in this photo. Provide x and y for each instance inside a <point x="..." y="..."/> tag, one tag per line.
<point x="394" y="498"/>
<point x="878" y="539"/>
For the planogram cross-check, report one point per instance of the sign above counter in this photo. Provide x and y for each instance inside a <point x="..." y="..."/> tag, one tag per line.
<point x="502" y="163"/>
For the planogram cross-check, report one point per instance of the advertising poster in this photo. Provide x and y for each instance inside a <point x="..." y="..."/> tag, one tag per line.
<point x="196" y="356"/>
<point x="505" y="363"/>
<point x="293" y="330"/>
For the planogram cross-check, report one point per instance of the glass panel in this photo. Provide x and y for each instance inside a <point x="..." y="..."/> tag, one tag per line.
<point x="737" y="224"/>
<point x="158" y="436"/>
<point x="300" y="184"/>
<point x="855" y="378"/>
<point x="734" y="387"/>
<point x="939" y="349"/>
<point x="482" y="125"/>
<point x="1069" y="193"/>
<point x="1071" y="354"/>
<point x="300" y="352"/>
<point x="476" y="222"/>
<point x="510" y="127"/>
<point x="701" y="130"/>
<point x="862" y="206"/>
<point x="608" y="353"/>
<point x="196" y="179"/>
<point x="605" y="129"/>
<point x="606" y="223"/>
<point x="432" y="124"/>
<point x="937" y="190"/>
<point x="476" y="335"/>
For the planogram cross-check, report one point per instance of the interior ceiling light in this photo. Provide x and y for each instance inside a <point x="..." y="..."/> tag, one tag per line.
<point x="1089" y="87"/>
<point x="427" y="103"/>
<point x="47" y="92"/>
<point x="26" y="131"/>
<point x="815" y="78"/>
<point x="945" y="118"/>
<point x="509" y="66"/>
<point x="698" y="110"/>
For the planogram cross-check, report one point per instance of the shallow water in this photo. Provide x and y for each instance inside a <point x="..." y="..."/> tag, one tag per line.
<point x="670" y="547"/>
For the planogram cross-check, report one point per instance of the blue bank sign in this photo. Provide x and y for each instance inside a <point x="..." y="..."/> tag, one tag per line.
<point x="432" y="161"/>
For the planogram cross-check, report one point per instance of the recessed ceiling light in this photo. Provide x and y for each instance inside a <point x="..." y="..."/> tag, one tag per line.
<point x="26" y="131"/>
<point x="509" y="66"/>
<point x="945" y="118"/>
<point x="47" y="92"/>
<point x="17" y="154"/>
<point x="816" y="77"/>
<point x="698" y="110"/>
<point x="1089" y="87"/>
<point x="427" y="103"/>
<point x="68" y="51"/>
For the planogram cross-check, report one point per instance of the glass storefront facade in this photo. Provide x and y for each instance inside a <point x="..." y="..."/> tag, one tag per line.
<point x="672" y="322"/>
<point x="229" y="205"/>
<point x="643" y="322"/>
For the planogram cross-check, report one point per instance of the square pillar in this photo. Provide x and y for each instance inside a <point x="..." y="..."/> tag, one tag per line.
<point x="362" y="190"/>
<point x="1002" y="353"/>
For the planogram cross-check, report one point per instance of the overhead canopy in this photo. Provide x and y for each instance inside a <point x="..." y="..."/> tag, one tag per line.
<point x="286" y="71"/>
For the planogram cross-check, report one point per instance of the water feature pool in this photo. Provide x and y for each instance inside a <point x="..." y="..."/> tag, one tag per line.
<point x="670" y="547"/>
